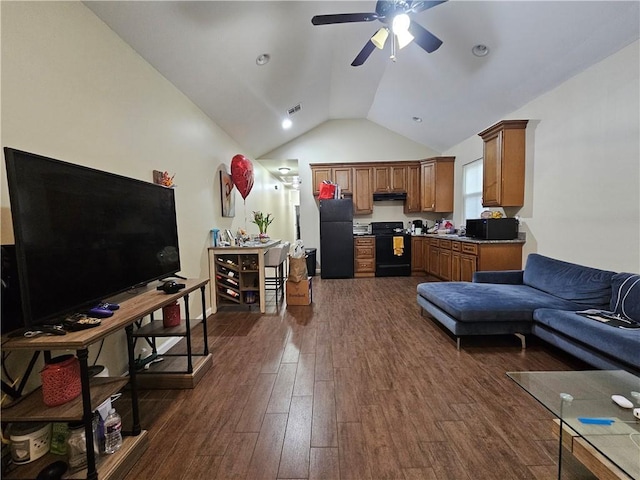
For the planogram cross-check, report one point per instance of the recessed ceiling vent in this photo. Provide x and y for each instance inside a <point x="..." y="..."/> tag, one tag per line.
<point x="294" y="109"/>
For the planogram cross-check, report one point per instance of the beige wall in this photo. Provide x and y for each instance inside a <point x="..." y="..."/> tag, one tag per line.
<point x="582" y="197"/>
<point x="73" y="90"/>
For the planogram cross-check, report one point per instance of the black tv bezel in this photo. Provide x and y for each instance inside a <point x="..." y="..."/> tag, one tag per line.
<point x="21" y="260"/>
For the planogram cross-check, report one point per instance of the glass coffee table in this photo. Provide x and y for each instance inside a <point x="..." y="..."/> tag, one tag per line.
<point x="602" y="435"/>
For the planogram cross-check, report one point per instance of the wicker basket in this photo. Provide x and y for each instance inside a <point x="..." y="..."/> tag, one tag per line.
<point x="61" y="380"/>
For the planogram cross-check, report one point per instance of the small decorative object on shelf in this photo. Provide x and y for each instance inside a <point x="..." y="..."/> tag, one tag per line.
<point x="262" y="221"/>
<point x="163" y="178"/>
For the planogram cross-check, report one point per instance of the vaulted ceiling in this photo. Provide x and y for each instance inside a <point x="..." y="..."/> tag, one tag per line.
<point x="208" y="50"/>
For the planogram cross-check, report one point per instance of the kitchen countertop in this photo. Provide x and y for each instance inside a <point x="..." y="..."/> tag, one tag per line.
<point x="467" y="239"/>
<point x="453" y="237"/>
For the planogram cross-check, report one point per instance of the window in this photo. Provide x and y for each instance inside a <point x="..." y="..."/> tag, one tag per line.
<point x="472" y="189"/>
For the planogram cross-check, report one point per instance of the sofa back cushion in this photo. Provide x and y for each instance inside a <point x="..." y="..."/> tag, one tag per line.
<point x="625" y="295"/>
<point x="576" y="283"/>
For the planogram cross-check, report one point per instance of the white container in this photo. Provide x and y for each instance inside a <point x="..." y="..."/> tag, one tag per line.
<point x="29" y="441"/>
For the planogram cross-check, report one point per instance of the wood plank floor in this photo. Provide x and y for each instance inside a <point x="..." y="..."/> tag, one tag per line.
<point x="359" y="385"/>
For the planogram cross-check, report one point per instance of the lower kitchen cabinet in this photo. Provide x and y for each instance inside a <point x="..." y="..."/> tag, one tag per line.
<point x="364" y="256"/>
<point x="417" y="255"/>
<point x="453" y="260"/>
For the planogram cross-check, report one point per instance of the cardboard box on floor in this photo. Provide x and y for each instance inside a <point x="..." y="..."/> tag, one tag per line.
<point x="299" y="293"/>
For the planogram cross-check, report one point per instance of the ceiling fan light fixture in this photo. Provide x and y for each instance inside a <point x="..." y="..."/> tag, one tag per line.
<point x="380" y="38"/>
<point x="401" y="23"/>
<point x="404" y="39"/>
<point x="480" y="50"/>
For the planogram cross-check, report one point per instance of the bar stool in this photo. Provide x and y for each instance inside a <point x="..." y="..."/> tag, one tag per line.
<point x="275" y="259"/>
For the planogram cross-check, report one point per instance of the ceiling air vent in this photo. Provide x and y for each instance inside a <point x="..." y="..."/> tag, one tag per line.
<point x="294" y="109"/>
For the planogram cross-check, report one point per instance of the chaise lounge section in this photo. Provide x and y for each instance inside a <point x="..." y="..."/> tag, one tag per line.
<point x="542" y="300"/>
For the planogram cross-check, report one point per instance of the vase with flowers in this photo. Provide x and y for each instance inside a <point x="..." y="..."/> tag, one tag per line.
<point x="262" y="221"/>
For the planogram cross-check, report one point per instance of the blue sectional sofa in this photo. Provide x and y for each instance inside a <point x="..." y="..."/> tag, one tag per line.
<point x="542" y="300"/>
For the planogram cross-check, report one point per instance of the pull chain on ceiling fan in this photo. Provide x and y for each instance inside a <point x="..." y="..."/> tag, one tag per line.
<point x="395" y="15"/>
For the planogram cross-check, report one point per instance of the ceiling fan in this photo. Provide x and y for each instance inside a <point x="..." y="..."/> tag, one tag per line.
<point x="395" y="15"/>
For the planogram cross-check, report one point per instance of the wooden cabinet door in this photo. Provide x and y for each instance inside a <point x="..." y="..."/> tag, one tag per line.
<point x="417" y="258"/>
<point x="428" y="183"/>
<point x="426" y="248"/>
<point x="362" y="190"/>
<point x="319" y="175"/>
<point x="342" y="176"/>
<point x="504" y="164"/>
<point x="434" y="260"/>
<point x="445" y="264"/>
<point x="492" y="171"/>
<point x="467" y="267"/>
<point x="381" y="179"/>
<point x="398" y="178"/>
<point x="412" y="204"/>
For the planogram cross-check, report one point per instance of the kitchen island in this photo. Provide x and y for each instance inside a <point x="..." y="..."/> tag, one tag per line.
<point x="237" y="275"/>
<point x="454" y="258"/>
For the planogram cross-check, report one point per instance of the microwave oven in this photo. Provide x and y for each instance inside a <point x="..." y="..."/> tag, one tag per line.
<point x="493" y="228"/>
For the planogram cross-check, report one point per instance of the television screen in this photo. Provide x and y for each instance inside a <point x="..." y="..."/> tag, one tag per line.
<point x="83" y="235"/>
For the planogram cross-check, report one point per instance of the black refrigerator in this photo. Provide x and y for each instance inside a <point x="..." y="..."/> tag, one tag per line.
<point x="336" y="238"/>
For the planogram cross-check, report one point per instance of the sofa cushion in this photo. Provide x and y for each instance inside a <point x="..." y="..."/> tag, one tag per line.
<point x="619" y="343"/>
<point x="625" y="295"/>
<point x="575" y="283"/>
<point x="478" y="302"/>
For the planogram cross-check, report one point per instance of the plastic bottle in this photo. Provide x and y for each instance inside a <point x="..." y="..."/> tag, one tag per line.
<point x="112" y="432"/>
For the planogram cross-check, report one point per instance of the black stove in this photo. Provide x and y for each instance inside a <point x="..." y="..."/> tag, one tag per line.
<point x="393" y="249"/>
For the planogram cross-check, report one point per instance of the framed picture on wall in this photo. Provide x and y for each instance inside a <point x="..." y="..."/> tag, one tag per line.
<point x="227" y="195"/>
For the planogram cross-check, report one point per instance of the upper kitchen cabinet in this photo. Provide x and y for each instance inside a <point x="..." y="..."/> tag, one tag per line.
<point x="389" y="178"/>
<point x="339" y="174"/>
<point x="412" y="203"/>
<point x="362" y="190"/>
<point x="437" y="184"/>
<point x="504" y="164"/>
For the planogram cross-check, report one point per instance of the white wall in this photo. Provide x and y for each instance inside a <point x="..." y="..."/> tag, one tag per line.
<point x="73" y="90"/>
<point x="342" y="141"/>
<point x="582" y="196"/>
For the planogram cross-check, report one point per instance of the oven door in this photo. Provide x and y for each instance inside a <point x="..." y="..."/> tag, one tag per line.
<point x="388" y="263"/>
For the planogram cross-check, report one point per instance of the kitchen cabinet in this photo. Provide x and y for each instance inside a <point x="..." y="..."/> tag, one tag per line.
<point x="362" y="190"/>
<point x="437" y="184"/>
<point x="412" y="204"/>
<point x="417" y="255"/>
<point x="364" y="256"/>
<point x="340" y="174"/>
<point x="504" y="164"/>
<point x="453" y="260"/>
<point x="434" y="257"/>
<point x="389" y="178"/>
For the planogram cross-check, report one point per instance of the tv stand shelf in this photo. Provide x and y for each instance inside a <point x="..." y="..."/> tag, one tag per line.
<point x="175" y="370"/>
<point x="31" y="407"/>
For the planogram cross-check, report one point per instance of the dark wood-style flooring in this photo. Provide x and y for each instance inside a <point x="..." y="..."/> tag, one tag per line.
<point x="359" y="385"/>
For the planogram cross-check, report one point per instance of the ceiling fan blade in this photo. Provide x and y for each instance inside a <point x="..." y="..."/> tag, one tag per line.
<point x="419" y="5"/>
<point x="343" y="18"/>
<point x="364" y="54"/>
<point x="424" y="38"/>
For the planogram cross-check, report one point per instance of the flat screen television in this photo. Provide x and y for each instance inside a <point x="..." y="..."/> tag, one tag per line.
<point x="83" y="235"/>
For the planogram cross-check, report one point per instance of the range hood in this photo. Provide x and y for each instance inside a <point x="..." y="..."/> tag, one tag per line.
<point x="402" y="196"/>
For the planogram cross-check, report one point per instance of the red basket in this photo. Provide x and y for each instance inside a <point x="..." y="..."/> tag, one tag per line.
<point x="61" y="380"/>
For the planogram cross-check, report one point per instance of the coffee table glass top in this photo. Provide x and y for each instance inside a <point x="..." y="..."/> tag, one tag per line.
<point x="580" y="398"/>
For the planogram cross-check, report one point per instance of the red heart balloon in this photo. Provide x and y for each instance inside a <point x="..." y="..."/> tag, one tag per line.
<point x="242" y="174"/>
